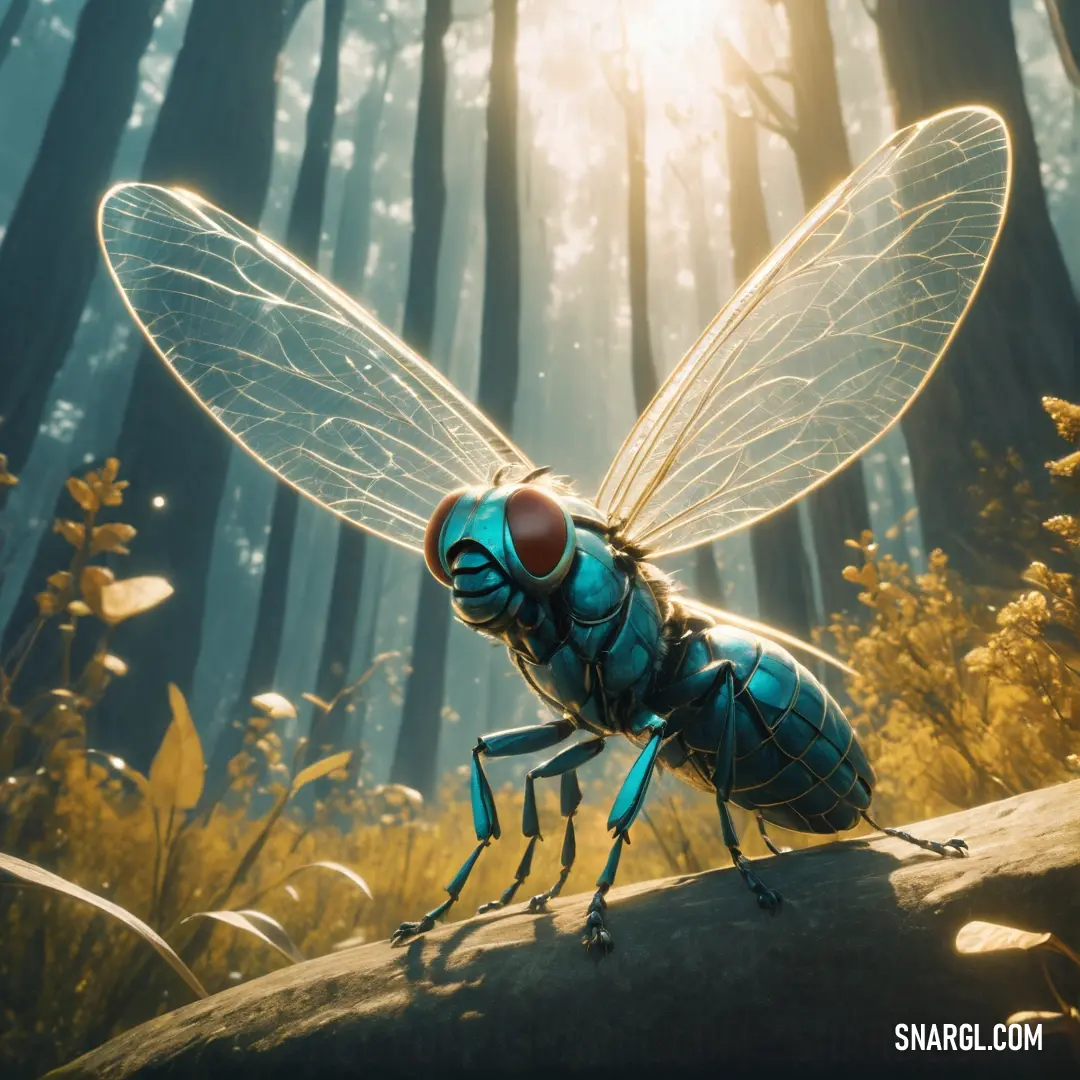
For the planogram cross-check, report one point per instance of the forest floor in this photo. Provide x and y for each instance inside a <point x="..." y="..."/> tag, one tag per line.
<point x="701" y="980"/>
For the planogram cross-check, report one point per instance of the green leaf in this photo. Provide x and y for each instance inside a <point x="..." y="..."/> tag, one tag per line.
<point x="178" y="769"/>
<point x="35" y="875"/>
<point x="260" y="925"/>
<point x="320" y="768"/>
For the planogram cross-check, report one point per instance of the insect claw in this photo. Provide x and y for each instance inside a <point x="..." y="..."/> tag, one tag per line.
<point x="770" y="900"/>
<point x="599" y="943"/>
<point x="410" y="929"/>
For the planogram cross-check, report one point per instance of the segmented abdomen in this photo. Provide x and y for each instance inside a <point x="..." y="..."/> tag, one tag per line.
<point x="796" y="757"/>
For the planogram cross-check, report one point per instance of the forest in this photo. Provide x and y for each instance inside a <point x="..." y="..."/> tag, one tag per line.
<point x="248" y="724"/>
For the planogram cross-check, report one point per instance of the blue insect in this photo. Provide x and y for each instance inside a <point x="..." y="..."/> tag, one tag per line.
<point x="812" y="361"/>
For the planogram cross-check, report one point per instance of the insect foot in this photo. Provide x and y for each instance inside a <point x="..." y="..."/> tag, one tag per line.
<point x="597" y="940"/>
<point x="410" y="929"/>
<point x="768" y="899"/>
<point x="955" y="846"/>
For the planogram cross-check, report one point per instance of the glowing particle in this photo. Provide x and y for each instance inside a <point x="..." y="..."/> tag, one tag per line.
<point x="158" y="502"/>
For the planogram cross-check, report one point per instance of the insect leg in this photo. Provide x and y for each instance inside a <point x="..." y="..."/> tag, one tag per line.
<point x="955" y="846"/>
<point x="724" y="779"/>
<point x="765" y="836"/>
<point x="569" y="800"/>
<point x="562" y="764"/>
<point x="767" y="898"/>
<point x="625" y="809"/>
<point x="522" y="740"/>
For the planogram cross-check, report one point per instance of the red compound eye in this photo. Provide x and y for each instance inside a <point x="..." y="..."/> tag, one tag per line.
<point x="434" y="531"/>
<point x="538" y="530"/>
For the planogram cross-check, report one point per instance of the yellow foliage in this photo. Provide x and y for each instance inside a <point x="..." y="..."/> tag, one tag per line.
<point x="120" y="600"/>
<point x="7" y="479"/>
<point x="1066" y="417"/>
<point x="112" y="537"/>
<point x="176" y="773"/>
<point x="961" y="699"/>
<point x="318" y="769"/>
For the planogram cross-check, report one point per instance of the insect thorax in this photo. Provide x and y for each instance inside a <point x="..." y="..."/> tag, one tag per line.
<point x="592" y="648"/>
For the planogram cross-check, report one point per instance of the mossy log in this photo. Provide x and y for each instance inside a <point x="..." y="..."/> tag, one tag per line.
<point x="701" y="982"/>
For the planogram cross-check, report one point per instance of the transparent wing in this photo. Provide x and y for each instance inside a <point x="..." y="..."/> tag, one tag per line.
<point x="824" y="347"/>
<point x="302" y="377"/>
<point x="716" y="614"/>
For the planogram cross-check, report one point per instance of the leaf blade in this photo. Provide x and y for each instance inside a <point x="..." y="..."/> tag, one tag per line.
<point x="319" y="769"/>
<point x="259" y="925"/>
<point x="35" y="875"/>
<point x="121" y="600"/>
<point x="274" y="705"/>
<point x="985" y="937"/>
<point x="337" y="868"/>
<point x="178" y="769"/>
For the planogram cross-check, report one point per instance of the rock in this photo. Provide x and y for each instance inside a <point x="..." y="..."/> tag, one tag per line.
<point x="701" y="981"/>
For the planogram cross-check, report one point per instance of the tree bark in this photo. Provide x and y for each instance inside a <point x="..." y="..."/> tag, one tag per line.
<point x="415" y="753"/>
<point x="839" y="510"/>
<point x="865" y="942"/>
<point x="1019" y="341"/>
<point x="49" y="251"/>
<point x="781" y="568"/>
<point x="215" y="135"/>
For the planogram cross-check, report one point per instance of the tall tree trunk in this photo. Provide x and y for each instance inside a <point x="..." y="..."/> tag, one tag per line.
<point x="49" y="251"/>
<point x="781" y="568"/>
<point x="328" y="730"/>
<point x="12" y="24"/>
<point x="304" y="230"/>
<point x="1019" y="341"/>
<point x="215" y="135"/>
<point x="354" y="224"/>
<point x="839" y="510"/>
<point x="421" y="714"/>
<point x="500" y="345"/>
<point x="500" y="338"/>
<point x="627" y="85"/>
<point x="292" y="10"/>
<point x="302" y="235"/>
